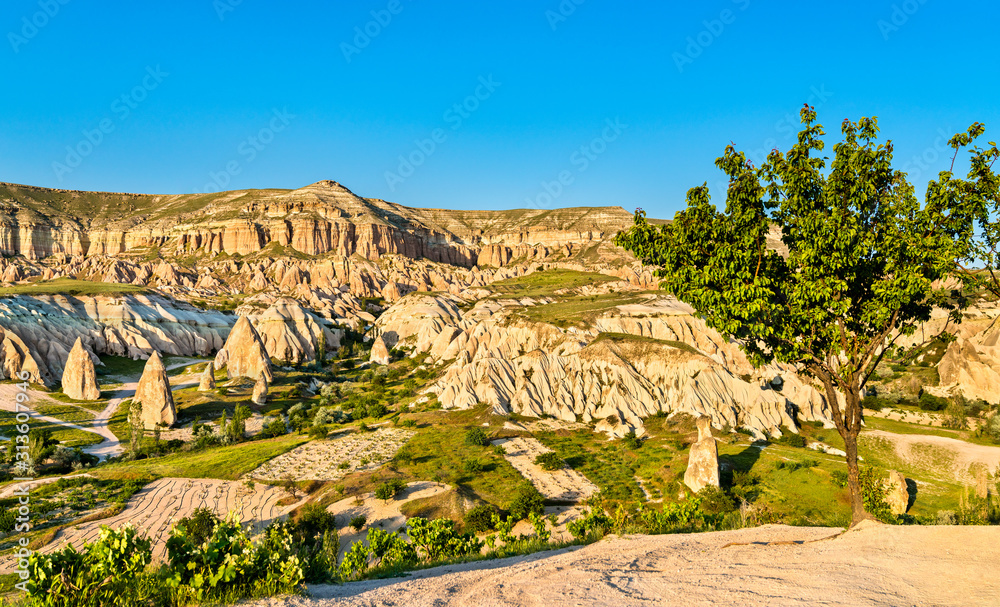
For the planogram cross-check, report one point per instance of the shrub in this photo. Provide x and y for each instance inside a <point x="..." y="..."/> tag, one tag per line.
<point x="389" y="489"/>
<point x="111" y="569"/>
<point x="789" y="438"/>
<point x="591" y="527"/>
<point x="479" y="519"/>
<point x="358" y="522"/>
<point x="477" y="437"/>
<point x="549" y="461"/>
<point x="526" y="500"/>
<point x="319" y="432"/>
<point x="631" y="441"/>
<point x="929" y="402"/>
<point x="314" y="520"/>
<point x="199" y="526"/>
<point x="274" y="429"/>
<point x="377" y="410"/>
<point x="715" y="501"/>
<point x="473" y="465"/>
<point x="839" y="478"/>
<point x="439" y="539"/>
<point x="873" y="494"/>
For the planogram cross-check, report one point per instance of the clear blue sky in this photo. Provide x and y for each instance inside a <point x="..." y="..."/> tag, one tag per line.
<point x="251" y="94"/>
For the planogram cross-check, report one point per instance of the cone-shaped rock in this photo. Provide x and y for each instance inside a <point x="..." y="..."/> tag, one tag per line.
<point x="380" y="352"/>
<point x="260" y="391"/>
<point x="703" y="464"/>
<point x="207" y="379"/>
<point x="244" y="354"/>
<point x="79" y="381"/>
<point x="155" y="395"/>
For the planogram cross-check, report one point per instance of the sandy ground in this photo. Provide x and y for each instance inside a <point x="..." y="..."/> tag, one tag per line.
<point x="154" y="509"/>
<point x="872" y="566"/>
<point x="964" y="454"/>
<point x="8" y="490"/>
<point x="565" y="485"/>
<point x="321" y="460"/>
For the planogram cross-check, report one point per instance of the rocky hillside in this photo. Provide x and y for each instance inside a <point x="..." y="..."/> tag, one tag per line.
<point x="320" y="219"/>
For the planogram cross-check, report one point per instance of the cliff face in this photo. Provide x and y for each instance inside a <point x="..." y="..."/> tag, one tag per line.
<point x="324" y="218"/>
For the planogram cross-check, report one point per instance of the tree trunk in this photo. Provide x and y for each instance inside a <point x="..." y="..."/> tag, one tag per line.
<point x="849" y="432"/>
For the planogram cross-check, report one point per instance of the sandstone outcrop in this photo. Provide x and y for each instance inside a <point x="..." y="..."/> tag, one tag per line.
<point x="703" y="461"/>
<point x="380" y="352"/>
<point x="37" y="333"/>
<point x="79" y="379"/>
<point x="897" y="495"/>
<point x="244" y="354"/>
<point x="972" y="366"/>
<point x="260" y="392"/>
<point x="207" y="380"/>
<point x="154" y="393"/>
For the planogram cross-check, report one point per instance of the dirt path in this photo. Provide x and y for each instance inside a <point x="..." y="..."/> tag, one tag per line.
<point x="564" y="485"/>
<point x="874" y="566"/>
<point x="110" y="446"/>
<point x="964" y="454"/>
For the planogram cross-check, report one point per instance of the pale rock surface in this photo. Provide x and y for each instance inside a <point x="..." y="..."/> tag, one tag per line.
<point x="897" y="496"/>
<point x="244" y="354"/>
<point x="79" y="379"/>
<point x="207" y="380"/>
<point x="380" y="352"/>
<point x="703" y="461"/>
<point x="154" y="393"/>
<point x="972" y="366"/>
<point x="260" y="392"/>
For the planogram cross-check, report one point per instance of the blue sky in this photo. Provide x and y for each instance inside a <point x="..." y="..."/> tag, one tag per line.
<point x="551" y="103"/>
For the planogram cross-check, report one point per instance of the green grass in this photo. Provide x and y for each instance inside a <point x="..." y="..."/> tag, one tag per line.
<point x="119" y="366"/>
<point x="67" y="436"/>
<point x="545" y="283"/>
<point x="227" y="463"/>
<point x="67" y="413"/>
<point x="628" y="337"/>
<point x="68" y="286"/>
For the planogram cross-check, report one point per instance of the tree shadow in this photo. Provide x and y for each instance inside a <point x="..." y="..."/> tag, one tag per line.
<point x="911" y="490"/>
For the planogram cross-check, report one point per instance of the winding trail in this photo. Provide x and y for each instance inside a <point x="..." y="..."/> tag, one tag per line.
<point x="110" y="446"/>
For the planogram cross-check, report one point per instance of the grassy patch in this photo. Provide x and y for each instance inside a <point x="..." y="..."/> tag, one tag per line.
<point x="228" y="463"/>
<point x="545" y="283"/>
<point x="627" y="337"/>
<point x="69" y="437"/>
<point x="68" y="286"/>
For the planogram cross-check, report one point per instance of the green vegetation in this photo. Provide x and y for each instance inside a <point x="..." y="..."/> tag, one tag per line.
<point x="72" y="288"/>
<point x="864" y="257"/>
<point x="545" y="283"/>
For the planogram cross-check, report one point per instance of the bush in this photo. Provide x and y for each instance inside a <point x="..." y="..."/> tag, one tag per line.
<point x="439" y="539"/>
<point x="319" y="432"/>
<point x="358" y="522"/>
<point x="199" y="526"/>
<point x="549" y="461"/>
<point x="526" y="500"/>
<point x="477" y="437"/>
<point x="789" y="439"/>
<point x="473" y="465"/>
<point x="839" y="478"/>
<point x="592" y="527"/>
<point x="377" y="410"/>
<point x="111" y="569"/>
<point x="480" y="519"/>
<point x="274" y="429"/>
<point x="314" y="520"/>
<point x="929" y="402"/>
<point x="873" y="494"/>
<point x="389" y="489"/>
<point x="631" y="441"/>
<point x="715" y="501"/>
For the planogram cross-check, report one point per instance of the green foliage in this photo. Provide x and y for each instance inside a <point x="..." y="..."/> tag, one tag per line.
<point x="873" y="492"/>
<point x="526" y="500"/>
<point x="199" y="526"/>
<point x="790" y="439"/>
<point x="439" y="539"/>
<point x="358" y="522"/>
<point x="591" y="527"/>
<point x="479" y="519"/>
<point x="715" y="501"/>
<point x="631" y="441"/>
<point x="929" y="402"/>
<point x="108" y="572"/>
<point x="389" y="489"/>
<point x="549" y="461"/>
<point x="477" y="437"/>
<point x="864" y="258"/>
<point x="313" y="519"/>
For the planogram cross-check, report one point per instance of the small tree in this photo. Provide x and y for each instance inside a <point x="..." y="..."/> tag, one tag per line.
<point x="321" y="348"/>
<point x="863" y="263"/>
<point x="135" y="428"/>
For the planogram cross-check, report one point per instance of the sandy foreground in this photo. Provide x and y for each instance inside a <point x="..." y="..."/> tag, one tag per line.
<point x="874" y="565"/>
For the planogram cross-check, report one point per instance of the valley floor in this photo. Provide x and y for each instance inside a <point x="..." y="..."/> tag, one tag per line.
<point x="872" y="565"/>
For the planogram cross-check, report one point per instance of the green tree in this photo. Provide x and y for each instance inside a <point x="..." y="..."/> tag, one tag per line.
<point x="863" y="266"/>
<point x="136" y="429"/>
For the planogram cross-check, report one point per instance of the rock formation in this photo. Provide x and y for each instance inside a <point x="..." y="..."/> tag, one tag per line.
<point x="244" y="354"/>
<point x="207" y="382"/>
<point x="380" y="352"/>
<point x="155" y="395"/>
<point x="79" y="380"/>
<point x="897" y="495"/>
<point x="260" y="391"/>
<point x="972" y="366"/>
<point x="703" y="462"/>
